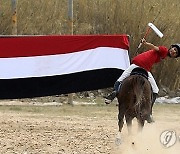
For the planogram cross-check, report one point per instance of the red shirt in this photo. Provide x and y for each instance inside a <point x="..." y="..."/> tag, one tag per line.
<point x="150" y="57"/>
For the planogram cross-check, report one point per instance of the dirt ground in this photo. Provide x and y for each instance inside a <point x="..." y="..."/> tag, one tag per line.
<point x="82" y="129"/>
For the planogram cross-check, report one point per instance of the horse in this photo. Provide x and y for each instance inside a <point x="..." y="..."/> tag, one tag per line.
<point x="135" y="99"/>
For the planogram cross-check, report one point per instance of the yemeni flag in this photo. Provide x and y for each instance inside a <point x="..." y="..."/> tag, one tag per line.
<point x="33" y="66"/>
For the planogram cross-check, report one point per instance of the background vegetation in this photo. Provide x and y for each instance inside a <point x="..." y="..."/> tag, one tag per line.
<point x="103" y="17"/>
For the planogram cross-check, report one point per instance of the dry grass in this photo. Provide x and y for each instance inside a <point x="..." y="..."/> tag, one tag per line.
<point x="65" y="110"/>
<point x="102" y="17"/>
<point x="100" y="111"/>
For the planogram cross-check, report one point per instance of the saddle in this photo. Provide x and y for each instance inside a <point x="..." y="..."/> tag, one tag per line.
<point x="140" y="71"/>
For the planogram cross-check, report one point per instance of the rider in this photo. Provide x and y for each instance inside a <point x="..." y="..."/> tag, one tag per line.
<point x="146" y="60"/>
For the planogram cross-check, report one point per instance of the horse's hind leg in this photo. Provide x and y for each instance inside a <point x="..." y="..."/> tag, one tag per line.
<point x="120" y="124"/>
<point x="121" y="116"/>
<point x="120" y="120"/>
<point x="140" y="123"/>
<point x="129" y="124"/>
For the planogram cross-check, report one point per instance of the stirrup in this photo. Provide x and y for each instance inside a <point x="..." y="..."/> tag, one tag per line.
<point x="110" y="97"/>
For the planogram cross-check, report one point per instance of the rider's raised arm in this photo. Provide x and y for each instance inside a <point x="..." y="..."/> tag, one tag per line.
<point x="150" y="45"/>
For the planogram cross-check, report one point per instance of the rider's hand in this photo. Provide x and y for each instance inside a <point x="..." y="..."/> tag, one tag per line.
<point x="150" y="45"/>
<point x="144" y="41"/>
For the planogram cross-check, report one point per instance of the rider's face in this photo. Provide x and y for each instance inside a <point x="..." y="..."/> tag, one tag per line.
<point x="173" y="52"/>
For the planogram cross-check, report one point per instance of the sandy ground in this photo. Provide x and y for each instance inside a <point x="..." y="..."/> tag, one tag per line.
<point x="82" y="130"/>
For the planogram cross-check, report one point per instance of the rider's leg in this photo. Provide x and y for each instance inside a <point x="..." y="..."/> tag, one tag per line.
<point x="111" y="96"/>
<point x="154" y="96"/>
<point x="155" y="90"/>
<point x="154" y="86"/>
<point x="127" y="72"/>
<point x="118" y="83"/>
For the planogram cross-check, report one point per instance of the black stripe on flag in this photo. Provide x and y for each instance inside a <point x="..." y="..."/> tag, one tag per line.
<point x="60" y="84"/>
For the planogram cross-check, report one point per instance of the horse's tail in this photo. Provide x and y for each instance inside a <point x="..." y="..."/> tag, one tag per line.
<point x="138" y="84"/>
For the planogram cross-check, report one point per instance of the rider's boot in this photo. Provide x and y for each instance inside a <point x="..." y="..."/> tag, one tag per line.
<point x="114" y="93"/>
<point x="150" y="118"/>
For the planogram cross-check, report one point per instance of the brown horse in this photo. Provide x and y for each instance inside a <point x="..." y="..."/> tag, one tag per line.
<point x="134" y="100"/>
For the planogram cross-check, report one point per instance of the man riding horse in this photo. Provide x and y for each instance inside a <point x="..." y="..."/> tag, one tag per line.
<point x="146" y="60"/>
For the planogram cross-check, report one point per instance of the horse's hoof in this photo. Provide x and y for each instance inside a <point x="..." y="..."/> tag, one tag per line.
<point x="118" y="140"/>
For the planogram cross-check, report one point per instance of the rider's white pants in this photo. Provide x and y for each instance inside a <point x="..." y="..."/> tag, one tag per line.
<point x="127" y="72"/>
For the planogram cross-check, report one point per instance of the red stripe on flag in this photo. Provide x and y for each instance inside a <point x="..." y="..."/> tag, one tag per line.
<point x="26" y="46"/>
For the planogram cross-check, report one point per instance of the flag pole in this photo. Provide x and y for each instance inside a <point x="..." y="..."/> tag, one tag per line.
<point x="70" y="28"/>
<point x="14" y="16"/>
<point x="70" y="16"/>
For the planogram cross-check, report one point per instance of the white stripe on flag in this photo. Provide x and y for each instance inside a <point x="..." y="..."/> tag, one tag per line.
<point x="39" y="66"/>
